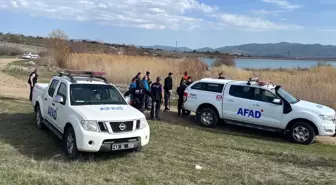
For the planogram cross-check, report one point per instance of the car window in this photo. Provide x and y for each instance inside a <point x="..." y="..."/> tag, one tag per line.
<point x="52" y="88"/>
<point x="241" y="91"/>
<point x="198" y="86"/>
<point x="263" y="95"/>
<point x="212" y="87"/>
<point x="62" y="91"/>
<point x="95" y="94"/>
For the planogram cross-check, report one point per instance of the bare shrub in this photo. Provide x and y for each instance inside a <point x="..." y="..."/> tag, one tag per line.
<point x="9" y="51"/>
<point x="59" y="47"/>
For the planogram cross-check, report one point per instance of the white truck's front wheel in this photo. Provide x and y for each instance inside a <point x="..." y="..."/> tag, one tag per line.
<point x="70" y="145"/>
<point x="302" y="133"/>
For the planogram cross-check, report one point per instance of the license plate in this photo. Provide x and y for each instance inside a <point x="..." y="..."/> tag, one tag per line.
<point x="122" y="146"/>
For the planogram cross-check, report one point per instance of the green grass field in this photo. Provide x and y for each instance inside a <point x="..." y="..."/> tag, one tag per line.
<point x="228" y="155"/>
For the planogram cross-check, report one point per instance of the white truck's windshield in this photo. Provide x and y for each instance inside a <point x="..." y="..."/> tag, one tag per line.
<point x="95" y="94"/>
<point x="288" y="97"/>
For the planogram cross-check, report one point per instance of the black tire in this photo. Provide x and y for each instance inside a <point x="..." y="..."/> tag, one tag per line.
<point x="207" y="117"/>
<point x="138" y="149"/>
<point x="38" y="118"/>
<point x="301" y="133"/>
<point x="70" y="146"/>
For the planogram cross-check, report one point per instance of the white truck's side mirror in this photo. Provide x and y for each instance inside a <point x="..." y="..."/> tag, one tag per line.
<point x="58" y="99"/>
<point x="277" y="101"/>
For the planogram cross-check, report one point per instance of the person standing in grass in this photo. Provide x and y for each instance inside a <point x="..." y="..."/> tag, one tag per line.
<point x="32" y="80"/>
<point x="168" y="86"/>
<point x="138" y="78"/>
<point x="180" y="91"/>
<point x="146" y="86"/>
<point x="147" y="99"/>
<point x="157" y="92"/>
<point x="184" y="78"/>
<point x="132" y="86"/>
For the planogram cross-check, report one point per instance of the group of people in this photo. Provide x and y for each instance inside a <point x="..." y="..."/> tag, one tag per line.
<point x="141" y="90"/>
<point x="145" y="94"/>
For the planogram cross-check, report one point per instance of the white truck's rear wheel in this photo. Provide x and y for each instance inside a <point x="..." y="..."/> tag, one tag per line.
<point x="70" y="145"/>
<point x="38" y="117"/>
<point x="207" y="117"/>
<point x="302" y="133"/>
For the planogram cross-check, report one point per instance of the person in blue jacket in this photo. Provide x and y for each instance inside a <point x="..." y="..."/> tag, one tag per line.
<point x="132" y="86"/>
<point x="146" y="86"/>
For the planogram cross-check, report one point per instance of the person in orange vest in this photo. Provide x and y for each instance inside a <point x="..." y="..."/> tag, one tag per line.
<point x="184" y="79"/>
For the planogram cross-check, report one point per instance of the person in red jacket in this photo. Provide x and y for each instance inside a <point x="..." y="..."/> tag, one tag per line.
<point x="184" y="79"/>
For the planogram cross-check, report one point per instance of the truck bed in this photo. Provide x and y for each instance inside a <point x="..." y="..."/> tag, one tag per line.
<point x="38" y="90"/>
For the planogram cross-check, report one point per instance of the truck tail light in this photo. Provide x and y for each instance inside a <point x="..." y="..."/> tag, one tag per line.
<point x="185" y="96"/>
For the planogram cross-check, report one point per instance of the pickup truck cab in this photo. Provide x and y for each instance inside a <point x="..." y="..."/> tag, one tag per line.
<point x="259" y="105"/>
<point x="89" y="114"/>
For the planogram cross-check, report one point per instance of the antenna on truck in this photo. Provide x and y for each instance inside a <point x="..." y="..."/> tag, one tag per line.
<point x="91" y="74"/>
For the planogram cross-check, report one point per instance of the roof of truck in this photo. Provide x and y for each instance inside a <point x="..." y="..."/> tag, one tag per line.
<point x="81" y="80"/>
<point x="238" y="82"/>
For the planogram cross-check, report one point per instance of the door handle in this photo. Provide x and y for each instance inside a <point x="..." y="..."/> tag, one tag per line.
<point x="53" y="104"/>
<point x="45" y="98"/>
<point x="230" y="100"/>
<point x="257" y="105"/>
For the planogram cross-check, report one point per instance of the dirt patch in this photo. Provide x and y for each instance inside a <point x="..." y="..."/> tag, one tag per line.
<point x="11" y="86"/>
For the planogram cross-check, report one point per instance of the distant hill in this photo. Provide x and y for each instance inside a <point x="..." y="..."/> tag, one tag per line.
<point x="169" y="48"/>
<point x="272" y="50"/>
<point x="282" y="49"/>
<point x="205" y="49"/>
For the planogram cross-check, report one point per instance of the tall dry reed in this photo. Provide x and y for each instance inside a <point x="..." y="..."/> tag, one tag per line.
<point x="315" y="84"/>
<point x="121" y="69"/>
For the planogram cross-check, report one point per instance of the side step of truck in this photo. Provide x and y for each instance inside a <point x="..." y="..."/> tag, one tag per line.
<point x="53" y="129"/>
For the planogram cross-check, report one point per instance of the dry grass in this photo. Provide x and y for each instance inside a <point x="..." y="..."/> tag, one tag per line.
<point x="315" y="84"/>
<point x="227" y="154"/>
<point x="121" y="69"/>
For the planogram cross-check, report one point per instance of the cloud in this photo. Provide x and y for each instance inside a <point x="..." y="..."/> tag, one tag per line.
<point x="253" y="24"/>
<point x="327" y="30"/>
<point x="283" y="4"/>
<point x="146" y="14"/>
<point x="266" y="12"/>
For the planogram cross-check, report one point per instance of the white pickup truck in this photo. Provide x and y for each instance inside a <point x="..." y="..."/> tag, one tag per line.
<point x="89" y="114"/>
<point x="259" y="105"/>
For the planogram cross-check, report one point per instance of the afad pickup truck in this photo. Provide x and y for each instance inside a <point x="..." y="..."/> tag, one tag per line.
<point x="258" y="104"/>
<point x="89" y="114"/>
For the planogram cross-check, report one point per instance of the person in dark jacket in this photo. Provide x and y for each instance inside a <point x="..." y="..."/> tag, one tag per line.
<point x="138" y="77"/>
<point x="220" y="76"/>
<point x="180" y="91"/>
<point x="168" y="86"/>
<point x="32" y="80"/>
<point x="138" y="95"/>
<point x="157" y="92"/>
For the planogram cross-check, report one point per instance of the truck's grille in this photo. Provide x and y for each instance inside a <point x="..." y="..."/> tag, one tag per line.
<point x="102" y="127"/>
<point x="122" y="126"/>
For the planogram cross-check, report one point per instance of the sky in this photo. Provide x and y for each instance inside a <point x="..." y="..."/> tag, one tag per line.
<point x="192" y="23"/>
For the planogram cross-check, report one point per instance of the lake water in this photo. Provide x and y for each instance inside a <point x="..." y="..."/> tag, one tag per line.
<point x="271" y="64"/>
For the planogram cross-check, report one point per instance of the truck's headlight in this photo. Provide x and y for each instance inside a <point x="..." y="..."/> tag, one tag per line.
<point x="327" y="117"/>
<point x="143" y="123"/>
<point x="89" y="125"/>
